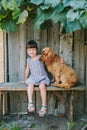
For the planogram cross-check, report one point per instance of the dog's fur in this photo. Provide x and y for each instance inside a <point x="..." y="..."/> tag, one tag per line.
<point x="64" y="75"/>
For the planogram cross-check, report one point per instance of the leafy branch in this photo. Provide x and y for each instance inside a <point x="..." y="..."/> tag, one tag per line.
<point x="72" y="14"/>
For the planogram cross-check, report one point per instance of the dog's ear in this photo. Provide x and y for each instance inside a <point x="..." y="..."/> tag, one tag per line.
<point x="50" y="58"/>
<point x="49" y="61"/>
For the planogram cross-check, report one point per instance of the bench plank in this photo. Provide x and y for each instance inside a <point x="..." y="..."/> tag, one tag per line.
<point x="16" y="86"/>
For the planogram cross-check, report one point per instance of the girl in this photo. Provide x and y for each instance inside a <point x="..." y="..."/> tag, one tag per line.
<point x="35" y="74"/>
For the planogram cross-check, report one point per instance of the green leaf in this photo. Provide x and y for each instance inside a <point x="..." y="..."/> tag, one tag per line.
<point x="72" y="13"/>
<point x="22" y="17"/>
<point x="76" y="4"/>
<point x="41" y="18"/>
<point x="70" y="125"/>
<point x="46" y="24"/>
<point x="33" y="125"/>
<point x="16" y="13"/>
<point x="71" y="26"/>
<point x="67" y="3"/>
<point x="37" y="2"/>
<point x="4" y="4"/>
<point x="44" y="7"/>
<point x="9" y="26"/>
<point x="55" y="17"/>
<point x="52" y="3"/>
<point x="38" y="21"/>
<point x="49" y="14"/>
<point x="59" y="8"/>
<point x="12" y="4"/>
<point x="83" y="20"/>
<point x="3" y="14"/>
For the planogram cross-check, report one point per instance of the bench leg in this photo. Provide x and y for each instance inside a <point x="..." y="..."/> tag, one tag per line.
<point x="1" y="101"/>
<point x="70" y="108"/>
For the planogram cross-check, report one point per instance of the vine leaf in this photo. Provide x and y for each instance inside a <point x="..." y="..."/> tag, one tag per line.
<point x="9" y="26"/>
<point x="22" y="17"/>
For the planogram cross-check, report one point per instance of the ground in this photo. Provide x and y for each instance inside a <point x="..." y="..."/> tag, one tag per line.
<point x="34" y="122"/>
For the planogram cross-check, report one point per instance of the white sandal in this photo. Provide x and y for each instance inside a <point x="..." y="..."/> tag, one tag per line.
<point x="42" y="111"/>
<point x="31" y="107"/>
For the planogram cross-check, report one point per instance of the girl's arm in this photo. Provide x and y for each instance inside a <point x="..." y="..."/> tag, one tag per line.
<point x="27" y="71"/>
<point x="26" y="74"/>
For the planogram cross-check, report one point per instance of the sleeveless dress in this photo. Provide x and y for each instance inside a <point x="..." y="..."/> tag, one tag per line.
<point x="38" y="73"/>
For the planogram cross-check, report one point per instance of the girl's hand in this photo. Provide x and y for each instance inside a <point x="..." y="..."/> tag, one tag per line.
<point x="22" y="82"/>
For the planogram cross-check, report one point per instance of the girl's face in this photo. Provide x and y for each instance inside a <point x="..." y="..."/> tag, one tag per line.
<point x="32" y="52"/>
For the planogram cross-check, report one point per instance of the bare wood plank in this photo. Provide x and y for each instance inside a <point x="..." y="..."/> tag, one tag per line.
<point x="56" y="38"/>
<point x="22" y="51"/>
<point x="86" y="101"/>
<point x="1" y="110"/>
<point x="50" y="37"/>
<point x="79" y="99"/>
<point x="85" y="44"/>
<point x="29" y="30"/>
<point x="13" y="54"/>
<point x="79" y="55"/>
<point x="79" y="65"/>
<point x="5" y="57"/>
<point x="38" y="101"/>
<point x="1" y="57"/>
<point x="51" y="100"/>
<point x="17" y="49"/>
<point x="66" y="43"/>
<point x="19" y="103"/>
<point x="16" y="86"/>
<point x="43" y="38"/>
<point x="86" y="73"/>
<point x="70" y="111"/>
<point x="4" y="103"/>
<point x="37" y="38"/>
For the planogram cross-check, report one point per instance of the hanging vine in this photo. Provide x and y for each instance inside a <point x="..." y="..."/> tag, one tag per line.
<point x="72" y="14"/>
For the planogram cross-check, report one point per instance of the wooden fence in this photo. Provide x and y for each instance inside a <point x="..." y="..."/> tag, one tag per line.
<point x="72" y="47"/>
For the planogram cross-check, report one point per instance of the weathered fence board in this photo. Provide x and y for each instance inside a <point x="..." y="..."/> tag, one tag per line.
<point x="22" y="51"/>
<point x="1" y="57"/>
<point x="66" y="43"/>
<point x="79" y="55"/>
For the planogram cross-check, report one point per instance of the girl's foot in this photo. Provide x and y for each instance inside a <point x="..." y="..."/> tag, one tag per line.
<point x="42" y="111"/>
<point x="31" y="107"/>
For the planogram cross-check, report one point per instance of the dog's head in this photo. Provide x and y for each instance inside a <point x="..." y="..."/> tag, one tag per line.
<point x="47" y="55"/>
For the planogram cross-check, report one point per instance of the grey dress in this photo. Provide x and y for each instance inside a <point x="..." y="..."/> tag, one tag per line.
<point x="38" y="73"/>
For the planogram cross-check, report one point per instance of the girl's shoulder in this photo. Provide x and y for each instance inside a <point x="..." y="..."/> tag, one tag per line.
<point x="28" y="59"/>
<point x="38" y="56"/>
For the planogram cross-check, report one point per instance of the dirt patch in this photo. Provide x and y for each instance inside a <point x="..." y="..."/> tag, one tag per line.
<point x="34" y="122"/>
<point x="49" y="122"/>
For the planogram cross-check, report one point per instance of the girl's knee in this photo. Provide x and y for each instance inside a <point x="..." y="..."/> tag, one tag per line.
<point x="30" y="85"/>
<point x="42" y="86"/>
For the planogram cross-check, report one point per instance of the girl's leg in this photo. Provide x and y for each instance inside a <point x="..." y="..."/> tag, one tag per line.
<point x="42" y="111"/>
<point x="43" y="93"/>
<point x="30" y="90"/>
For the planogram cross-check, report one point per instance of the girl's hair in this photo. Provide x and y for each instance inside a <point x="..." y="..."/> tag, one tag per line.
<point x="31" y="44"/>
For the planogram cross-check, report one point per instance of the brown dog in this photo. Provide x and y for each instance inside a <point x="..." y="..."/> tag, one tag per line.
<point x="64" y="75"/>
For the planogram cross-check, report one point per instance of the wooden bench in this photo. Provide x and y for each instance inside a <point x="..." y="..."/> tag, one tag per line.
<point x="12" y="86"/>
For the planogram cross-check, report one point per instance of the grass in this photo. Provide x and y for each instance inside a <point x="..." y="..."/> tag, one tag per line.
<point x="14" y="127"/>
<point x="70" y="125"/>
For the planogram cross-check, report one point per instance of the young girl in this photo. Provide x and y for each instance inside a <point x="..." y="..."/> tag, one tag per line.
<point x="35" y="74"/>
